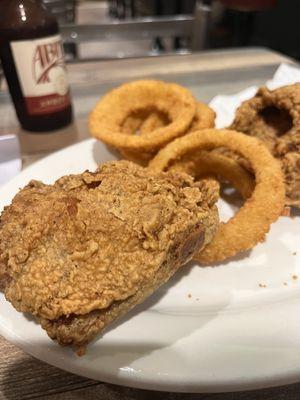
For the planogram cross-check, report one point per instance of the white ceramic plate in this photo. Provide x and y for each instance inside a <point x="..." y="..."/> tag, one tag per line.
<point x="207" y="330"/>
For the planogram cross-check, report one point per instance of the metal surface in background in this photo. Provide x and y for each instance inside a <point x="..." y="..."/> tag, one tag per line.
<point x="194" y="27"/>
<point x="135" y="29"/>
<point x="63" y="10"/>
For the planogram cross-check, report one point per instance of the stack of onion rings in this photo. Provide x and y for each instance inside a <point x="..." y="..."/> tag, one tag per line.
<point x="204" y="118"/>
<point x="263" y="207"/>
<point x="158" y="111"/>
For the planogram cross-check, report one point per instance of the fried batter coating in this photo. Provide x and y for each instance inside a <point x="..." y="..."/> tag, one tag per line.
<point x="274" y="117"/>
<point x="144" y="96"/>
<point x="81" y="252"/>
<point x="145" y="123"/>
<point x="206" y="164"/>
<point x="260" y="210"/>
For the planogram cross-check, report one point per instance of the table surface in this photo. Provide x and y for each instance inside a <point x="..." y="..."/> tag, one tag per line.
<point x="205" y="74"/>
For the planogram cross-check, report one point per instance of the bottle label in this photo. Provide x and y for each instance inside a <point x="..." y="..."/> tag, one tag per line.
<point x="42" y="73"/>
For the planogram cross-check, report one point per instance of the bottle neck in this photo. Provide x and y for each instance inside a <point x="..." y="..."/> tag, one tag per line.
<point x="26" y="18"/>
<point x="13" y="4"/>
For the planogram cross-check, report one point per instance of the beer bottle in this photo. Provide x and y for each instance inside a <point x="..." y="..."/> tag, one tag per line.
<point x="32" y="59"/>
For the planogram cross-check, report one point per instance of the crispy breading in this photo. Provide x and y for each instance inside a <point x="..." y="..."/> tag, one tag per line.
<point x="83" y="251"/>
<point x="145" y="123"/>
<point x="274" y="117"/>
<point x="261" y="209"/>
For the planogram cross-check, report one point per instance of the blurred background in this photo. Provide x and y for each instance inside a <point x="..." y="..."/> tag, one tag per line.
<point x="97" y="29"/>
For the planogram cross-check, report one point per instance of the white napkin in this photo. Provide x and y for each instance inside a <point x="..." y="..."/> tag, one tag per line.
<point x="10" y="159"/>
<point x="225" y="106"/>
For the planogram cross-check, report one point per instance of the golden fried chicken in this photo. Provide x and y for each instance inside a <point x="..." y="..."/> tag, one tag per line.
<point x="82" y="252"/>
<point x="274" y="117"/>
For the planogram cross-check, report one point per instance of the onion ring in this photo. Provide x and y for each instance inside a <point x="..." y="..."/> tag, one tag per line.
<point x="210" y="164"/>
<point x="175" y="101"/>
<point x="251" y="223"/>
<point x="132" y="124"/>
<point x="274" y="117"/>
<point x="204" y="118"/>
<point x="143" y="122"/>
<point x="154" y="121"/>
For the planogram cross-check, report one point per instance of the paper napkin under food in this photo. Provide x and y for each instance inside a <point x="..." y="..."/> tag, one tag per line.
<point x="225" y="106"/>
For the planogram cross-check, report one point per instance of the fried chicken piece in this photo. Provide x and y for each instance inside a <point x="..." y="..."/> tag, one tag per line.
<point x="84" y="251"/>
<point x="274" y="117"/>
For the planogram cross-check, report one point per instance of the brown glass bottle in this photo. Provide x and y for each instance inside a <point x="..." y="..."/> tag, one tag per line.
<point x="33" y="63"/>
